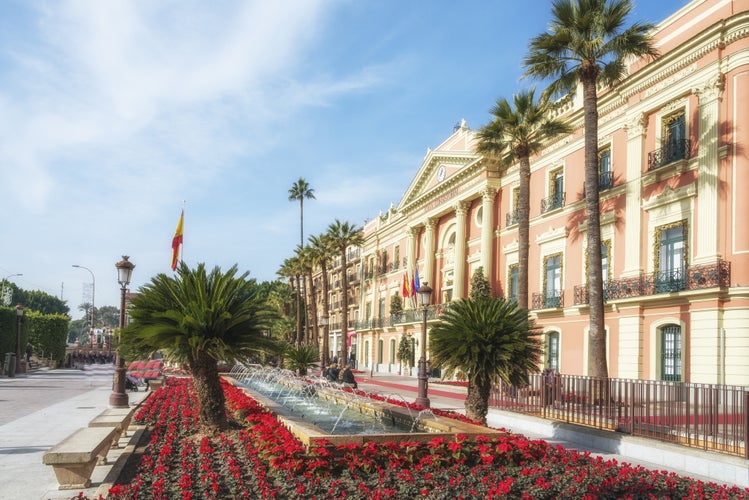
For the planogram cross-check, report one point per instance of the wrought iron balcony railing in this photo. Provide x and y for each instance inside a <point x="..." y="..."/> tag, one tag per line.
<point x="511" y="218"/>
<point x="552" y="299"/>
<point x="552" y="202"/>
<point x="671" y="152"/>
<point x="692" y="278"/>
<point x="605" y="180"/>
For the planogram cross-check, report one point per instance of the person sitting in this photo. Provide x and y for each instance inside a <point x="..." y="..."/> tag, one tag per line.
<point x="347" y="377"/>
<point x="332" y="373"/>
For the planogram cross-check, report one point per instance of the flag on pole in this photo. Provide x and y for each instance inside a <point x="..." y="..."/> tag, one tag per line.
<point x="406" y="292"/>
<point x="417" y="285"/>
<point x="177" y="240"/>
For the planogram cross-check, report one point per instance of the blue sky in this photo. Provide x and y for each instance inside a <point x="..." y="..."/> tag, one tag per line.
<point x="115" y="113"/>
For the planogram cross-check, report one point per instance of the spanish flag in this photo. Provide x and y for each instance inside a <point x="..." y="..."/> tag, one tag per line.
<point x="177" y="240"/>
<point x="406" y="291"/>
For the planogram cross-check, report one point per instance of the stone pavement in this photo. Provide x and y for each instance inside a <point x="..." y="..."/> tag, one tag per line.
<point x="38" y="410"/>
<point x="41" y="408"/>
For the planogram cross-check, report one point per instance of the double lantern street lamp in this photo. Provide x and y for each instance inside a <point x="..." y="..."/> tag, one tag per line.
<point x="119" y="397"/>
<point x="425" y="298"/>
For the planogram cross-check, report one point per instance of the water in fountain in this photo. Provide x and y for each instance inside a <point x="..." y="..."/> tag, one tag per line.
<point x="300" y="397"/>
<point x="421" y="414"/>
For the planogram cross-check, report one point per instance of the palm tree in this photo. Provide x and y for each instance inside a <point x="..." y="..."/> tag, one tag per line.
<point x="323" y="252"/>
<point x="200" y="318"/>
<point x="588" y="43"/>
<point x="299" y="191"/>
<point x="301" y="358"/>
<point x="512" y="137"/>
<point x="342" y="236"/>
<point x="307" y="264"/>
<point x="488" y="340"/>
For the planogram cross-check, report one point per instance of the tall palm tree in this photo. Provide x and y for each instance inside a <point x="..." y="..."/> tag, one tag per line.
<point x="307" y="264"/>
<point x="295" y="269"/>
<point x="287" y="271"/>
<point x="323" y="252"/>
<point x="299" y="191"/>
<point x="515" y="134"/>
<point x="342" y="236"/>
<point x="588" y="43"/>
<point x="200" y="318"/>
<point x="487" y="339"/>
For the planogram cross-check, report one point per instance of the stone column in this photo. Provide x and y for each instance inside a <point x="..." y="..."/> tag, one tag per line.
<point x="461" y="209"/>
<point x="633" y="228"/>
<point x="428" y="273"/>
<point x="708" y="224"/>
<point x="487" y="231"/>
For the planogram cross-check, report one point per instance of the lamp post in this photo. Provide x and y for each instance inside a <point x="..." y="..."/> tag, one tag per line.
<point x="92" y="332"/>
<point x="19" y="314"/>
<point x="325" y="341"/>
<point x="425" y="297"/>
<point x="119" y="397"/>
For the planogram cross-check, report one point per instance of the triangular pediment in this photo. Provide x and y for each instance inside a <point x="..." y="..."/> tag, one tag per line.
<point x="442" y="166"/>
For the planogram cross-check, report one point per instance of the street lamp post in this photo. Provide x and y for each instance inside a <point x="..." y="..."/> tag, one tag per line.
<point x="19" y="314"/>
<point x="119" y="397"/>
<point x="92" y="332"/>
<point x="425" y="297"/>
<point x="325" y="341"/>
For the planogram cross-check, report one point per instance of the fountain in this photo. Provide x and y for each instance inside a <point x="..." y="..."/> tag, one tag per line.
<point x="315" y="408"/>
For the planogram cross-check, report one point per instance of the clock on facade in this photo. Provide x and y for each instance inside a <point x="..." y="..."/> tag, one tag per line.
<point x="441" y="173"/>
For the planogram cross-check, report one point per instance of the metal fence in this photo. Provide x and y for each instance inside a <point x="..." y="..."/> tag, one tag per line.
<point x="706" y="416"/>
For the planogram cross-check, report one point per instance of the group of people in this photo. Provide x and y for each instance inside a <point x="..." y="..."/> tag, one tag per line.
<point x="345" y="376"/>
<point x="78" y="359"/>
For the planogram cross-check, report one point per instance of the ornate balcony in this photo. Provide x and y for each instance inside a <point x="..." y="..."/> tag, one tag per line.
<point x="605" y="180"/>
<point x="552" y="202"/>
<point x="511" y="218"/>
<point x="692" y="278"/>
<point x="550" y="300"/>
<point x="671" y="152"/>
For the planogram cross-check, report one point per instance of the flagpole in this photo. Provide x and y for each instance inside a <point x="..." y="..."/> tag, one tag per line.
<point x="182" y="250"/>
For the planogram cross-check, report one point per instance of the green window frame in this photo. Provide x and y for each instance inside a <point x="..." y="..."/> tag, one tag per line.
<point x="552" y="351"/>
<point x="671" y="347"/>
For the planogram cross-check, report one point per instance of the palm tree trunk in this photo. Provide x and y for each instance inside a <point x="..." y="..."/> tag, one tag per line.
<point x="313" y="313"/>
<point x="344" y="312"/>
<point x="477" y="401"/>
<point x="325" y="305"/>
<point x="524" y="205"/>
<point x="597" y="333"/>
<point x="211" y="412"/>
<point x="298" y="337"/>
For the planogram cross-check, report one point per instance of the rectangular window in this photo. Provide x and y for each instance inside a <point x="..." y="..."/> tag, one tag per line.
<point x="605" y="175"/>
<point x="396" y="256"/>
<point x="381" y="309"/>
<point x="671" y="353"/>
<point x="671" y="258"/>
<point x="392" y="351"/>
<point x="605" y="260"/>
<point x="552" y="281"/>
<point x="552" y="351"/>
<point x="512" y="282"/>
<point x="380" y="348"/>
<point x="555" y="199"/>
<point x="512" y="215"/>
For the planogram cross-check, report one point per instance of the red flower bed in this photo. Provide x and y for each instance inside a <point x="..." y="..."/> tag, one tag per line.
<point x="263" y="460"/>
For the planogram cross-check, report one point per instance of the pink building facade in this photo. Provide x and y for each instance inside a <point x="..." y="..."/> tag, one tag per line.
<point x="674" y="174"/>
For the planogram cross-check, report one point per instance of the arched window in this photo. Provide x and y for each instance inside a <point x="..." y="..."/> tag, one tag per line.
<point x="552" y="351"/>
<point x="392" y="351"/>
<point x="671" y="353"/>
<point x="380" y="347"/>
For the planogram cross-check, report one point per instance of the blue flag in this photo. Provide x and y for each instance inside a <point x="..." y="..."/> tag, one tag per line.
<point x="416" y="279"/>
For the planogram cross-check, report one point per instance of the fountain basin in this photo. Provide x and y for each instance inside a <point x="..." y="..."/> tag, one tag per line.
<point x="427" y="426"/>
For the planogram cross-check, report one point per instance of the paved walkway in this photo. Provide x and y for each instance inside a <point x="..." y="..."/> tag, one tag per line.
<point x="39" y="409"/>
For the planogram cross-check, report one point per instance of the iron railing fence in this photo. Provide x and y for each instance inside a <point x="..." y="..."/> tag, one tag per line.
<point x="698" y="277"/>
<point x="552" y="202"/>
<point x="707" y="416"/>
<point x="673" y="151"/>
